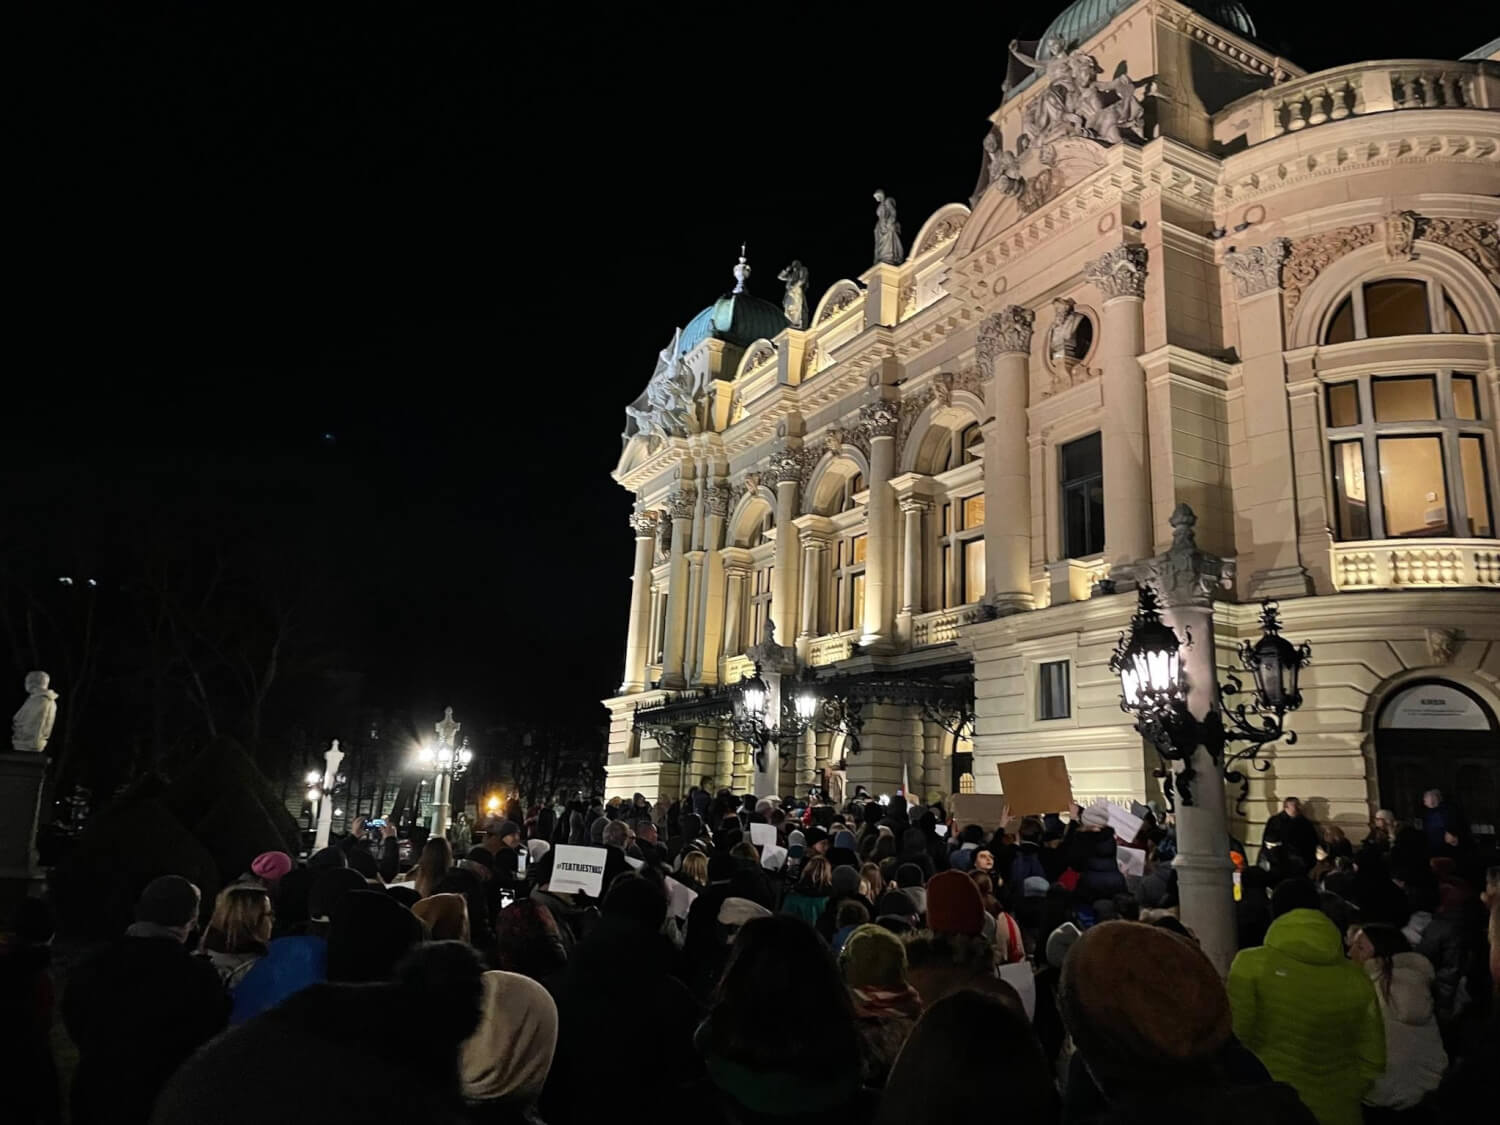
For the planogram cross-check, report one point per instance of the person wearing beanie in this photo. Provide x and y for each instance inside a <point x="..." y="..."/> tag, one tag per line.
<point x="502" y="839"/>
<point x="886" y="1006"/>
<point x="1139" y="1058"/>
<point x="327" y="857"/>
<point x="271" y="867"/>
<point x="368" y="935"/>
<point x="1309" y="1013"/>
<point x="954" y="905"/>
<point x="329" y="887"/>
<point x="138" y="1008"/>
<point x="909" y="880"/>
<point x="503" y="1065"/>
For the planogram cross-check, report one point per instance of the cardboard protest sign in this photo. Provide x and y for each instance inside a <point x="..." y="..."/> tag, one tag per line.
<point x="984" y="809"/>
<point x="763" y="835"/>
<point x="1130" y="861"/>
<point x="1036" y="786"/>
<point x="578" y="868"/>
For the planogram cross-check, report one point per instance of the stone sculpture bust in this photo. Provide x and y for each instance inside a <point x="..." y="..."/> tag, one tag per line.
<point x="32" y="725"/>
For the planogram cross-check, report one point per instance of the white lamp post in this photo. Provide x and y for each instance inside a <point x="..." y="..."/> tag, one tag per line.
<point x="332" y="758"/>
<point x="447" y="761"/>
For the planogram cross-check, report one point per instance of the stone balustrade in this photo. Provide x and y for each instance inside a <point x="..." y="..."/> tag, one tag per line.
<point x="942" y="625"/>
<point x="832" y="648"/>
<point x="1356" y="90"/>
<point x="1397" y="564"/>
<point x="736" y="668"/>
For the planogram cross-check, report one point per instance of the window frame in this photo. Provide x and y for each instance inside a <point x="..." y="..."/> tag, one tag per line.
<point x="1037" y="679"/>
<point x="1447" y="427"/>
<point x="845" y="571"/>
<point x="953" y="539"/>
<point x="1437" y="310"/>
<point x="1065" y="485"/>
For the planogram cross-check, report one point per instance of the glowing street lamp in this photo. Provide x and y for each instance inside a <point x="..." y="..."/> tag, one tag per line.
<point x="447" y="762"/>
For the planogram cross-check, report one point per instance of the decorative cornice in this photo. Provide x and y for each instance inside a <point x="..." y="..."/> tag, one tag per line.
<point x="839" y="303"/>
<point x="1006" y="331"/>
<point x="1259" y="268"/>
<point x="945" y="231"/>
<point x="1119" y="273"/>
<point x="879" y="419"/>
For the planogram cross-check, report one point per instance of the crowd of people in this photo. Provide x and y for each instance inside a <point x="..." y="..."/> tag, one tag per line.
<point x="874" y="961"/>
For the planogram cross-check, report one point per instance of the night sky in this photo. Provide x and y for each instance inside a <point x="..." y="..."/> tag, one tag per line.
<point x="386" y="279"/>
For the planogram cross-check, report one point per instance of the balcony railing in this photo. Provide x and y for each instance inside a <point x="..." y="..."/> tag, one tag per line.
<point x="832" y="648"/>
<point x="1399" y="564"/>
<point x="941" y="626"/>
<point x="1358" y="89"/>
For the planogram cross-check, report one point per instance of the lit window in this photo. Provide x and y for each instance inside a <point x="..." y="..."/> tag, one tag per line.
<point x="1082" y="468"/>
<point x="966" y="783"/>
<point x="760" y="605"/>
<point x="1419" y="467"/>
<point x="1052" y="697"/>
<point x="962" y="551"/>
<point x="849" y="582"/>
<point x="1394" y="306"/>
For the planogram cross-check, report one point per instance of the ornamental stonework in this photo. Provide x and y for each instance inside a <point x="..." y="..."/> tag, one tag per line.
<point x="1310" y="256"/>
<point x="682" y="503"/>
<point x="1119" y="273"/>
<point x="1476" y="239"/>
<point x="1259" y="268"/>
<point x="644" y="524"/>
<point x="1006" y="331"/>
<point x="879" y="419"/>
<point x="717" y="499"/>
<point x="788" y="465"/>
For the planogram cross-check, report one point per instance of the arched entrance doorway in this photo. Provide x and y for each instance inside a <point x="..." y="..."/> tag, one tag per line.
<point x="1433" y="734"/>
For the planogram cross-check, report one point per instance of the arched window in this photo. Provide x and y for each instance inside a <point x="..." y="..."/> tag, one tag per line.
<point x="957" y="447"/>
<point x="970" y="443"/>
<point x="758" y="536"/>
<point x="1393" y="306"/>
<point x="1410" y="456"/>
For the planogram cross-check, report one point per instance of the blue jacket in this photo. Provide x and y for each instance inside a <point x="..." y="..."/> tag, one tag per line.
<point x="290" y="965"/>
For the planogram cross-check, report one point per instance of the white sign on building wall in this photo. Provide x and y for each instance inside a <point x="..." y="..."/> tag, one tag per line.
<point x="1433" y="707"/>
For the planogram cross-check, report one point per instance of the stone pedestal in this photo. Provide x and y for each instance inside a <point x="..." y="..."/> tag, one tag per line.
<point x="20" y="808"/>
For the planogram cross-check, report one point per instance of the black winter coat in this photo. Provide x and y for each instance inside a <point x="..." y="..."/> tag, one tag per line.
<point x="136" y="1010"/>
<point x="1101" y="876"/>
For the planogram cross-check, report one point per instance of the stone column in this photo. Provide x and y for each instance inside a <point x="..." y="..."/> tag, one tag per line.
<point x="786" y="466"/>
<point x="638" y="639"/>
<point x="879" y="421"/>
<point x="681" y="512"/>
<point x="912" y="509"/>
<point x="21" y="776"/>
<point x="1185" y="579"/>
<point x="1004" y="351"/>
<point x="1267" y="499"/>
<point x="715" y="511"/>
<point x="1120" y="277"/>
<point x="693" y="647"/>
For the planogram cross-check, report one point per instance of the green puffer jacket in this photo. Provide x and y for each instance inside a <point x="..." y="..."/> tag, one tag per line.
<point x="1310" y="1015"/>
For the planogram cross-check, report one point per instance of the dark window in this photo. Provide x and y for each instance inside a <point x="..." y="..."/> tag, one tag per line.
<point x="1351" y="505"/>
<point x="1343" y="404"/>
<point x="1082" y="463"/>
<point x="1052" y="690"/>
<point x="1341" y="327"/>
<point x="1396" y="308"/>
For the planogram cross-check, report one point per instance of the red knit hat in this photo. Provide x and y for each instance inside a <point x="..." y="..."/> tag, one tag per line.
<point x="954" y="905"/>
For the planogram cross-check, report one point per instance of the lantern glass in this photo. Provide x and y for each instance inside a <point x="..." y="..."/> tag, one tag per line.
<point x="313" y="777"/>
<point x="753" y="694"/>
<point x="465" y="756"/>
<point x="1274" y="665"/>
<point x="427" y="754"/>
<point x="807" y="704"/>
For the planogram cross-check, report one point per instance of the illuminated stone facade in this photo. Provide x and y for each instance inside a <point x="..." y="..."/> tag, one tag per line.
<point x="1275" y="296"/>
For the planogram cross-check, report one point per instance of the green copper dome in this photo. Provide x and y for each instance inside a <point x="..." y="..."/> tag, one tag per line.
<point x="736" y="318"/>
<point x="1082" y="18"/>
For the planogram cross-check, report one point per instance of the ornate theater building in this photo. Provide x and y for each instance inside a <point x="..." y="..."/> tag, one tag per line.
<point x="905" y="517"/>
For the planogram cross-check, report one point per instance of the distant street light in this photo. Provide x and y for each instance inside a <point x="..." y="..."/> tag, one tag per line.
<point x="446" y="762"/>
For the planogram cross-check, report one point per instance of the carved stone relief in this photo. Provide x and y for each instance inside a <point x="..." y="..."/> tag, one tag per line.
<point x="1259" y="268"/>
<point x="1120" y="273"/>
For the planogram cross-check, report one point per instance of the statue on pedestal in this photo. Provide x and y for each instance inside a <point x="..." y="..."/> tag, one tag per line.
<point x="32" y="725"/>
<point x="887" y="231"/>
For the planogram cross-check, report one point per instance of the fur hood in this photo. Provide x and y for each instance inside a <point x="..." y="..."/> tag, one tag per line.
<point x="1410" y="999"/>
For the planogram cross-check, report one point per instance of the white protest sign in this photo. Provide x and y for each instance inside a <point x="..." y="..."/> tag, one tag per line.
<point x="1126" y="825"/>
<point x="1130" y="861"/>
<point x="763" y="835"/>
<point x="940" y="829"/>
<point x="636" y="864"/>
<point x="679" y="898"/>
<point x="773" y="857"/>
<point x="577" y="868"/>
<point x="1020" y="977"/>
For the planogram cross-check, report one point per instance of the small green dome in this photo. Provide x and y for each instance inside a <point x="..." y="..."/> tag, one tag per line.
<point x="1082" y="18"/>
<point x="737" y="318"/>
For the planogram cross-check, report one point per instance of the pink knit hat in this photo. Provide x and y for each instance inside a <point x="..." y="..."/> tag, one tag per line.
<point x="270" y="866"/>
